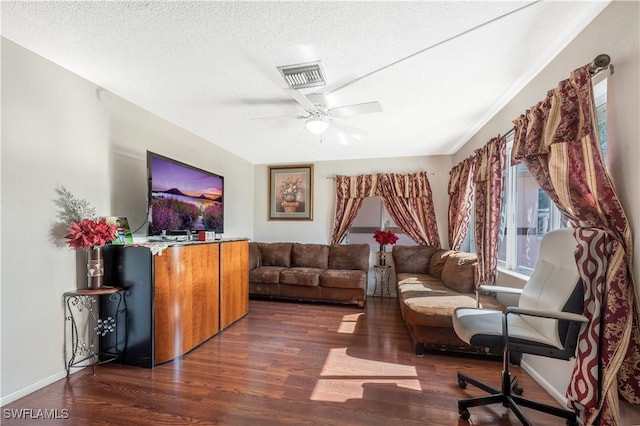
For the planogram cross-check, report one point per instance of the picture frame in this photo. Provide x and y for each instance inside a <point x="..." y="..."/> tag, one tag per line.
<point x="124" y="235"/>
<point x="291" y="192"/>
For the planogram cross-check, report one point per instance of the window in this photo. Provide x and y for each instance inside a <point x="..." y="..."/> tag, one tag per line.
<point x="600" y="95"/>
<point x="527" y="215"/>
<point x="371" y="217"/>
<point x="527" y="212"/>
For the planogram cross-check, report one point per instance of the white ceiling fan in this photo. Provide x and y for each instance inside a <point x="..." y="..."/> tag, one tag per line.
<point x="319" y="116"/>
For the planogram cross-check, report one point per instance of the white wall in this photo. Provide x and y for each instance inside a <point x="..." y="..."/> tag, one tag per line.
<point x="614" y="32"/>
<point x="319" y="230"/>
<point x="55" y="131"/>
<point x="133" y="131"/>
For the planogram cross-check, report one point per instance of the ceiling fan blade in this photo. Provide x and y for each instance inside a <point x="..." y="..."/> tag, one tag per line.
<point x="355" y="109"/>
<point x="302" y="100"/>
<point x="348" y="130"/>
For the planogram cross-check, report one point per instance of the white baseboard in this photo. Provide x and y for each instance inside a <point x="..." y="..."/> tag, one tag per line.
<point x="7" y="399"/>
<point x="551" y="390"/>
<point x="544" y="383"/>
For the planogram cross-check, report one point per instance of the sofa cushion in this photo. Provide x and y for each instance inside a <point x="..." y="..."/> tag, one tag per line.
<point x="275" y="254"/>
<point x="350" y="256"/>
<point x="310" y="255"/>
<point x="343" y="278"/>
<point x="412" y="259"/>
<point x="458" y="272"/>
<point x="309" y="277"/>
<point x="254" y="255"/>
<point x="426" y="301"/>
<point x="437" y="261"/>
<point x="425" y="280"/>
<point x="265" y="274"/>
<point x="435" y="310"/>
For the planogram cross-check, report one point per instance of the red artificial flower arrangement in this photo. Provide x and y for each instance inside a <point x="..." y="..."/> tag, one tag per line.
<point x="88" y="233"/>
<point x="385" y="237"/>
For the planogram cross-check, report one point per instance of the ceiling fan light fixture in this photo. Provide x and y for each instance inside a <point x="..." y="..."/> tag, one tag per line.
<point x="299" y="76"/>
<point x="317" y="125"/>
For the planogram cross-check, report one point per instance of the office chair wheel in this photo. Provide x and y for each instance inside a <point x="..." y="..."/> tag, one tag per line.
<point x="517" y="389"/>
<point x="462" y="383"/>
<point x="464" y="414"/>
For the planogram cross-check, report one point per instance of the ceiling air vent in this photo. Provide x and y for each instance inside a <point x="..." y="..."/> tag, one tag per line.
<point x="299" y="76"/>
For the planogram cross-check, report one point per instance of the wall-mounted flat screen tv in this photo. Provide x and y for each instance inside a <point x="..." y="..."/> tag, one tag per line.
<point x="183" y="198"/>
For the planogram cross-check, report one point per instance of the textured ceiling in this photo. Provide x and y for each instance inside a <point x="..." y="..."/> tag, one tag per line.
<point x="211" y="67"/>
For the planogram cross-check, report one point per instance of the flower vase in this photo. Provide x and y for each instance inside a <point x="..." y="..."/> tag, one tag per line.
<point x="290" y="197"/>
<point x="290" y="206"/>
<point x="95" y="268"/>
<point x="382" y="259"/>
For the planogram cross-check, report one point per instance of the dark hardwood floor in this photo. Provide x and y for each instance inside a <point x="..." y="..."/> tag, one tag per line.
<point x="287" y="364"/>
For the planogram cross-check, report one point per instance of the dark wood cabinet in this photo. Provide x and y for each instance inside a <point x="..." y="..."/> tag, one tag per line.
<point x="179" y="298"/>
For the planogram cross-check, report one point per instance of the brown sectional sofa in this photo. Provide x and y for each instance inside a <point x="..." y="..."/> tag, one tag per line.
<point x="430" y="284"/>
<point x="315" y="272"/>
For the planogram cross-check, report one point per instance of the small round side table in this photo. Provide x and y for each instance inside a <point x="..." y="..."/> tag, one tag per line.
<point x="381" y="274"/>
<point x="84" y="346"/>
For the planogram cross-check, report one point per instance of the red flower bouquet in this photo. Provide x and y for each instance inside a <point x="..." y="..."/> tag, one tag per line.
<point x="88" y="233"/>
<point x="385" y="237"/>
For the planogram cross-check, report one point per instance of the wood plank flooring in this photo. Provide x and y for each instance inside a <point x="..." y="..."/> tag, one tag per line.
<point x="287" y="364"/>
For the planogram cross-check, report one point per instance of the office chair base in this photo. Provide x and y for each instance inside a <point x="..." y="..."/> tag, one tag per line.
<point x="513" y="402"/>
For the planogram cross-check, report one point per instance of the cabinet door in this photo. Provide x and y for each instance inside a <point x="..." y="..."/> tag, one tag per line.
<point x="186" y="299"/>
<point x="132" y="269"/>
<point x="234" y="284"/>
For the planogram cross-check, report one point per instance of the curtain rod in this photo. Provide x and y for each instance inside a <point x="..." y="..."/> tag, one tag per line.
<point x="333" y="177"/>
<point x="509" y="132"/>
<point x="600" y="63"/>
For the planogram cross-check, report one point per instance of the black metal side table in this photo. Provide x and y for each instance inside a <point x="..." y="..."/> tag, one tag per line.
<point x="381" y="274"/>
<point x="98" y="326"/>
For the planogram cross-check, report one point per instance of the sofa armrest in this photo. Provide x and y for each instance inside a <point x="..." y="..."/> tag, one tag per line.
<point x="255" y="258"/>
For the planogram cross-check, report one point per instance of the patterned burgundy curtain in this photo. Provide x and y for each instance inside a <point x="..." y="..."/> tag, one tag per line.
<point x="489" y="172"/>
<point x="350" y="191"/>
<point x="408" y="200"/>
<point x="460" y="201"/>
<point x="558" y="142"/>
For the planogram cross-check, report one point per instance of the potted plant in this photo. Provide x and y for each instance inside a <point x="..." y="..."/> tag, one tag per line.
<point x="384" y="238"/>
<point x="85" y="231"/>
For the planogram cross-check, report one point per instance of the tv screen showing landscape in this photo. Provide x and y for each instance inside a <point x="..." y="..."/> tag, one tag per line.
<point x="183" y="197"/>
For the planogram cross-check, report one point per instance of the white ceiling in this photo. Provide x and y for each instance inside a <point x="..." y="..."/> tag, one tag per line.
<point x="210" y="66"/>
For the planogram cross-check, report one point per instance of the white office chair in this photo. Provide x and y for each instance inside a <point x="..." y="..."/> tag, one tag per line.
<point x="546" y="322"/>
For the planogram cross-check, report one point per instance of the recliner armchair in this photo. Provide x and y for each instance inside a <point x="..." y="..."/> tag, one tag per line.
<point x="546" y="322"/>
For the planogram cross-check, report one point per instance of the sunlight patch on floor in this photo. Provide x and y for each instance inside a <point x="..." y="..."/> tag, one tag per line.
<point x="349" y="322"/>
<point x="345" y="377"/>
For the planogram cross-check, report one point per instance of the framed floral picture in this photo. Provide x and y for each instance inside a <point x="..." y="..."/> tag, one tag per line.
<point x="291" y="192"/>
